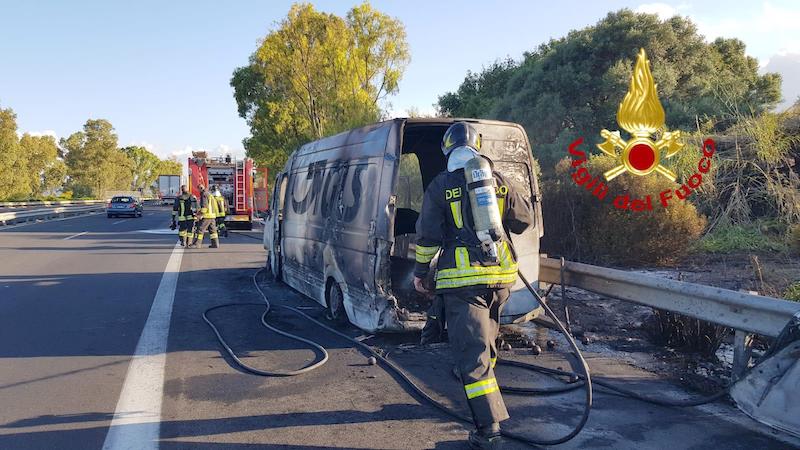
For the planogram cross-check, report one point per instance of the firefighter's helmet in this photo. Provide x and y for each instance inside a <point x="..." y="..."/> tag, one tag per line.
<point x="460" y="134"/>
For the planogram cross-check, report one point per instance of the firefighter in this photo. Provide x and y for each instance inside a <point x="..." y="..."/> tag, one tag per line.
<point x="472" y="285"/>
<point x="183" y="212"/>
<point x="222" y="208"/>
<point x="207" y="214"/>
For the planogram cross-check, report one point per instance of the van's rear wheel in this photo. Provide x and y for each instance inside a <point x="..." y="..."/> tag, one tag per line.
<point x="336" y="310"/>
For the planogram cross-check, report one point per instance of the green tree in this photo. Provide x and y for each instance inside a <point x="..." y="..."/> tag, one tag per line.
<point x="43" y="165"/>
<point x="478" y="94"/>
<point x="53" y="177"/>
<point x="94" y="162"/>
<point x="572" y="86"/>
<point x="145" y="167"/>
<point x="14" y="174"/>
<point x="315" y="75"/>
<point x="169" y="166"/>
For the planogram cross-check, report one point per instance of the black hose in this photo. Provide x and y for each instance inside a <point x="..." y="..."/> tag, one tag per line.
<point x="587" y="378"/>
<point x="612" y="388"/>
<point x="584" y="379"/>
<point x="267" y="373"/>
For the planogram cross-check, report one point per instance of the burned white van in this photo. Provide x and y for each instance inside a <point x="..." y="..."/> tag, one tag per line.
<point x="341" y="227"/>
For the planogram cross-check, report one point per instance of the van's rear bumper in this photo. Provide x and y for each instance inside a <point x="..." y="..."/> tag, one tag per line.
<point x="400" y="321"/>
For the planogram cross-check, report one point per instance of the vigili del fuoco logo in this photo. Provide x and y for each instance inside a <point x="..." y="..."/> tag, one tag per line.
<point x="642" y="116"/>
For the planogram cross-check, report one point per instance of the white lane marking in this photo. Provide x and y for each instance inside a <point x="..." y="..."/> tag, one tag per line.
<point x="137" y="419"/>
<point x="75" y="235"/>
<point x="120" y="221"/>
<point x="157" y="231"/>
<point x="79" y="216"/>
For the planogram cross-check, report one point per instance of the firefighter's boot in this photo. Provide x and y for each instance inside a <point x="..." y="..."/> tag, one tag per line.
<point x="214" y="243"/>
<point x="198" y="242"/>
<point x="486" y="438"/>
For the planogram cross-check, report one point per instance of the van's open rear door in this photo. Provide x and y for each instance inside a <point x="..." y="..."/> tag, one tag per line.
<point x="507" y="146"/>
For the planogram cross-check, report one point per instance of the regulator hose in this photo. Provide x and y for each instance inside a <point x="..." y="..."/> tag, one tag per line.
<point x="584" y="379"/>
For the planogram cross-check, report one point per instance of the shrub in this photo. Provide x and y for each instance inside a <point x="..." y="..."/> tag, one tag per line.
<point x="734" y="238"/>
<point x="579" y="226"/>
<point x="80" y="191"/>
<point x="754" y="176"/>
<point x="792" y="292"/>
<point x="794" y="239"/>
<point x="687" y="333"/>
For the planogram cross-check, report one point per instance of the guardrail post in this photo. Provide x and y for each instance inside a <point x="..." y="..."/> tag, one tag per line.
<point x="742" y="352"/>
<point x="562" y="268"/>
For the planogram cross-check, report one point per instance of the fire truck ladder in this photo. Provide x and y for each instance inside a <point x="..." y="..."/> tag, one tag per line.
<point x="240" y="194"/>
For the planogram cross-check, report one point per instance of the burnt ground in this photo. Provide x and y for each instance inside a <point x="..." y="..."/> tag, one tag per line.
<point x="624" y="329"/>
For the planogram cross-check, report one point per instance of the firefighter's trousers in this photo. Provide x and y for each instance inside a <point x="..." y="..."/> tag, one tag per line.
<point x="472" y="326"/>
<point x="185" y="229"/>
<point x="207" y="224"/>
<point x="221" y="228"/>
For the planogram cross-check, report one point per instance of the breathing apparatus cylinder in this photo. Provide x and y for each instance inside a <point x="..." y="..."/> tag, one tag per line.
<point x="482" y="198"/>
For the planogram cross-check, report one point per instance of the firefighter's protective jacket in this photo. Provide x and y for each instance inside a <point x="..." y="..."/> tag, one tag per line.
<point x="183" y="207"/>
<point x="221" y="206"/>
<point x="446" y="224"/>
<point x="208" y="206"/>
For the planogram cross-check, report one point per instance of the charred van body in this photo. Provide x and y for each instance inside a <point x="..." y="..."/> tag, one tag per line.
<point x="341" y="227"/>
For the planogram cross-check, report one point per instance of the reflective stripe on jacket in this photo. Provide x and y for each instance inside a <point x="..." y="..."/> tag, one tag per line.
<point x="182" y="207"/>
<point x="221" y="206"/>
<point x="445" y="225"/>
<point x="208" y="206"/>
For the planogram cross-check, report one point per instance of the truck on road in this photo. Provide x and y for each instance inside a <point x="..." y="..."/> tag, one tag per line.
<point x="169" y="187"/>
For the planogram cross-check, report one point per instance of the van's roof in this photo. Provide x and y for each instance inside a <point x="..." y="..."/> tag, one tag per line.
<point x="380" y="129"/>
<point x="447" y="120"/>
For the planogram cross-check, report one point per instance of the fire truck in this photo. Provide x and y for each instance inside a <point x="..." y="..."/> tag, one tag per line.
<point x="242" y="184"/>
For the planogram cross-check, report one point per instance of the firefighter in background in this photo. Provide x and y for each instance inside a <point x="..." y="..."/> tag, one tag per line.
<point x="222" y="209"/>
<point x="473" y="284"/>
<point x="207" y="214"/>
<point x="183" y="213"/>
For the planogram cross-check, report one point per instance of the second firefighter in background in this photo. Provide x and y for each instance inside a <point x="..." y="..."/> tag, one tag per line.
<point x="207" y="215"/>
<point x="472" y="287"/>
<point x="222" y="208"/>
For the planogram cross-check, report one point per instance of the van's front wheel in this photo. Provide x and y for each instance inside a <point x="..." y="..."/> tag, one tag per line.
<point x="336" y="310"/>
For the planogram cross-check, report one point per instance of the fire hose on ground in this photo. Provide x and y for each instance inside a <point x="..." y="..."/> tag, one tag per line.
<point x="581" y="379"/>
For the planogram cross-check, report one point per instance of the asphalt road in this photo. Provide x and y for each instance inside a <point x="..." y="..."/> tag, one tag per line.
<point x="80" y="297"/>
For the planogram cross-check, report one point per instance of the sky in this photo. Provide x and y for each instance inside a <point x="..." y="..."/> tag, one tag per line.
<point x="160" y="71"/>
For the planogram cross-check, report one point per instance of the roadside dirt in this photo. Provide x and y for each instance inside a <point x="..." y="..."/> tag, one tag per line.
<point x="610" y="326"/>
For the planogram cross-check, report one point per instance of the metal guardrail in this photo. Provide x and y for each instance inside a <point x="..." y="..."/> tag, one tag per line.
<point x="46" y="213"/>
<point x="48" y="203"/>
<point x="746" y="312"/>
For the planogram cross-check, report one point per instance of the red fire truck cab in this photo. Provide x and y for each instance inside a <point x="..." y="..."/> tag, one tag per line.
<point x="240" y="182"/>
